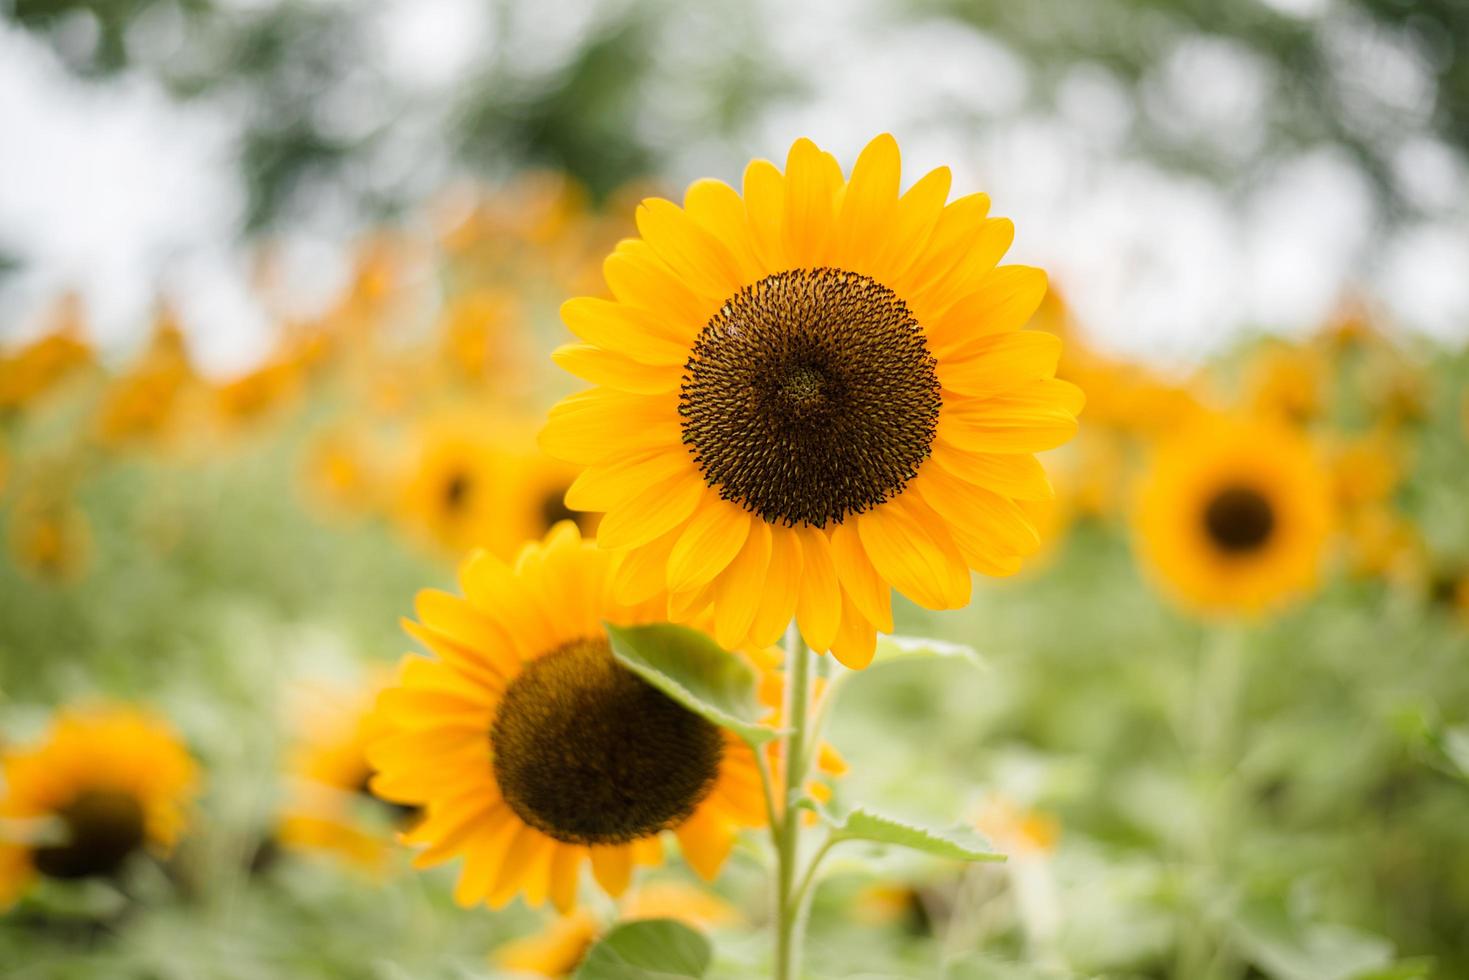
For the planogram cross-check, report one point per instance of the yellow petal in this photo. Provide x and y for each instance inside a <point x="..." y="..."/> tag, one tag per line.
<point x="868" y="205"/>
<point x="907" y="555"/>
<point x="856" y="640"/>
<point x="717" y="208"/>
<point x="659" y="509"/>
<point x="737" y="592"/>
<point x="819" y="605"/>
<point x="610" y="485"/>
<point x="764" y="194"/>
<point x="603" y="367"/>
<point x="642" y="573"/>
<point x="709" y="543"/>
<point x="1002" y="301"/>
<point x="603" y="424"/>
<point x="565" y="870"/>
<point x="639" y="334"/>
<point x="810" y="199"/>
<point x="522" y="857"/>
<point x="612" y="867"/>
<point x="782" y="587"/>
<point x="958" y="225"/>
<point x="998" y="522"/>
<point x="638" y="277"/>
<point x="918" y="214"/>
<point x="1001" y="363"/>
<point x="981" y="257"/>
<point x="1017" y="475"/>
<point x="867" y="590"/>
<point x="695" y="256"/>
<point x="705" y="839"/>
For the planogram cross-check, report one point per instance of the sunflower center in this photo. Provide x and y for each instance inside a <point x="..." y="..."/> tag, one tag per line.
<point x="102" y="826"/>
<point x="587" y="752"/>
<point x="810" y="396"/>
<point x="456" y="491"/>
<point x="554" y="509"/>
<point x="1239" y="519"/>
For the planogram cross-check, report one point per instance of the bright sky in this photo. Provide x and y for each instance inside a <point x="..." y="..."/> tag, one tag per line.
<point x="115" y="189"/>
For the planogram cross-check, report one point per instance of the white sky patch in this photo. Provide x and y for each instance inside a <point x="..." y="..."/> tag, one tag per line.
<point x="430" y="44"/>
<point x="115" y="189"/>
<point x="102" y="188"/>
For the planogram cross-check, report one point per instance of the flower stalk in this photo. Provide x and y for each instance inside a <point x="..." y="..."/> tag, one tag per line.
<point x="790" y="897"/>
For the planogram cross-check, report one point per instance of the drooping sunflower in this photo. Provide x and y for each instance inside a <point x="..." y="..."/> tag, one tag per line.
<point x="104" y="784"/>
<point x="331" y="809"/>
<point x="533" y="752"/>
<point x="810" y="394"/>
<point x="1234" y="515"/>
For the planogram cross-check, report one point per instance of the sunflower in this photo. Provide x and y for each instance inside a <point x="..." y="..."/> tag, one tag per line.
<point x="331" y="809"/>
<point x="140" y="405"/>
<point x="1017" y="830"/>
<point x="105" y="783"/>
<point x="31" y="371"/>
<point x="480" y="482"/>
<point x="532" y="751"/>
<point x="254" y="395"/>
<point x="1291" y="382"/>
<point x="50" y="537"/>
<point x="558" y="948"/>
<point x="449" y="494"/>
<point x="339" y="473"/>
<point x="477" y="333"/>
<point x="809" y="395"/>
<point x="1234" y="514"/>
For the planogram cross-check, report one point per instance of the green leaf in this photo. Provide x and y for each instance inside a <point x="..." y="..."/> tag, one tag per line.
<point x="650" y="949"/>
<point x="690" y="668"/>
<point x="1319" y="951"/>
<point x="958" y="844"/>
<point x="893" y="649"/>
<point x="1456" y="749"/>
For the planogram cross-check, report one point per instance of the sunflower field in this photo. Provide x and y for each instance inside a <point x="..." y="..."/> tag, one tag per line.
<point x="622" y="570"/>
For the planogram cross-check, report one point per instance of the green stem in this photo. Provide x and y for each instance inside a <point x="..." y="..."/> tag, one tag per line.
<point x="788" y="907"/>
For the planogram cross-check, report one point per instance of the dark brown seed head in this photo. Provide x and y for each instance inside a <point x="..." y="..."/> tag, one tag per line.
<point x="1239" y="519"/>
<point x="102" y="827"/>
<point x="810" y="396"/>
<point x="587" y="752"/>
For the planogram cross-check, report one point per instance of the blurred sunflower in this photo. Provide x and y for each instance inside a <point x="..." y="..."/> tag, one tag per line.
<point x="895" y="903"/>
<point x="1234" y="513"/>
<point x="1016" y="830"/>
<point x="452" y="483"/>
<point x="558" y="948"/>
<point x="139" y="405"/>
<point x="555" y="950"/>
<point x="533" y="751"/>
<point x="480" y="482"/>
<point x="478" y="334"/>
<point x="105" y="783"/>
<point x="1290" y="382"/>
<point x="328" y="810"/>
<point x="809" y="395"/>
<point x="50" y="538"/>
<point x="339" y="473"/>
<point x="254" y="395"/>
<point x="33" y="370"/>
